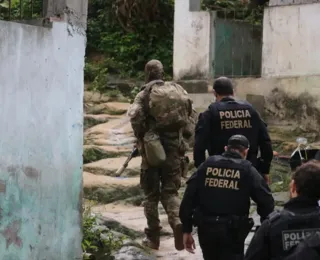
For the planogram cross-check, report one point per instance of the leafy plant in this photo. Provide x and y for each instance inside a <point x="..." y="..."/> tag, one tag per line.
<point x="126" y="51"/>
<point x="129" y="33"/>
<point x="91" y="71"/>
<point x="100" y="243"/>
<point x="244" y="10"/>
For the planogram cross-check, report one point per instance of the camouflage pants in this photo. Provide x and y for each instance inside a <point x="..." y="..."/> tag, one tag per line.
<point x="160" y="185"/>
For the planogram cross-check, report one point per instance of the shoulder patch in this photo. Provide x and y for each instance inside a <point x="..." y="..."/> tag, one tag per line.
<point x="274" y="216"/>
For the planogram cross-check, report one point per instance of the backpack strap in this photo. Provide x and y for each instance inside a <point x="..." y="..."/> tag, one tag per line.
<point x="147" y="89"/>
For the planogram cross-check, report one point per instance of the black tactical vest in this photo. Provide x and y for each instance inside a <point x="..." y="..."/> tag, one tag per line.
<point x="234" y="117"/>
<point x="288" y="229"/>
<point x="309" y="249"/>
<point x="224" y="187"/>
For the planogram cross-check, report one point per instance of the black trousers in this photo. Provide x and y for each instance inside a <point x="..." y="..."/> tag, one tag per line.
<point x="220" y="242"/>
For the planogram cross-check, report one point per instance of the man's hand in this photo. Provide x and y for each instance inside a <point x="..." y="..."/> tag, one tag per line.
<point x="267" y="178"/>
<point x="189" y="243"/>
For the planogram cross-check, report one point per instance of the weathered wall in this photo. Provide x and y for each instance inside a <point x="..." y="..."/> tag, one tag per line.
<point x="41" y="113"/>
<point x="57" y="8"/>
<point x="192" y="50"/>
<point x="291" y="40"/>
<point x="289" y="101"/>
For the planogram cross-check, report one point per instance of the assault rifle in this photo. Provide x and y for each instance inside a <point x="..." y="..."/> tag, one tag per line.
<point x="134" y="153"/>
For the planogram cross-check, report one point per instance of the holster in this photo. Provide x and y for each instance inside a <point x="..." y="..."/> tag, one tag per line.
<point x="244" y="227"/>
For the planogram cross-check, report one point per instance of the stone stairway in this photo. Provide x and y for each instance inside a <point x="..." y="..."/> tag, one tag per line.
<point x="108" y="140"/>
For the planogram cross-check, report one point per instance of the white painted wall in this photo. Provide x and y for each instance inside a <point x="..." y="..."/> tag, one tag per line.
<point x="41" y="133"/>
<point x="291" y="40"/>
<point x="191" y="59"/>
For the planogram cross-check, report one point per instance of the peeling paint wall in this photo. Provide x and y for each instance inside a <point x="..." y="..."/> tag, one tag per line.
<point x="41" y="112"/>
<point x="289" y="101"/>
<point x="291" y="40"/>
<point x="192" y="32"/>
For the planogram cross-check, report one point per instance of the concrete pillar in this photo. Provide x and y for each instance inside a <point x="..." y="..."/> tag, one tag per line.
<point x="192" y="41"/>
<point x="41" y="110"/>
<point x="291" y="38"/>
<point x="76" y="10"/>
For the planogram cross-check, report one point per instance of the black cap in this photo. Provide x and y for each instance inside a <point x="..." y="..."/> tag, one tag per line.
<point x="238" y="140"/>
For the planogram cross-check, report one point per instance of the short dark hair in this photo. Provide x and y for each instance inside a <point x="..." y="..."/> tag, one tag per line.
<point x="154" y="70"/>
<point x="307" y="180"/>
<point x="236" y="148"/>
<point x="223" y="86"/>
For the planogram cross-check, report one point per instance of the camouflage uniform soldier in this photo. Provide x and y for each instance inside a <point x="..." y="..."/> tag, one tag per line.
<point x="160" y="184"/>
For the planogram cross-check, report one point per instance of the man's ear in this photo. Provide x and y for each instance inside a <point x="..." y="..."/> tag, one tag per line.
<point x="293" y="187"/>
<point x="225" y="148"/>
<point x="214" y="93"/>
<point x="246" y="152"/>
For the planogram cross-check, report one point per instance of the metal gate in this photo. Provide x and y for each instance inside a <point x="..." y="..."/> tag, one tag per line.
<point x="237" y="48"/>
<point x="17" y="10"/>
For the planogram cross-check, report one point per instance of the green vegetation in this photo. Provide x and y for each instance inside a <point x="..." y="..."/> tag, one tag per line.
<point x="98" y="243"/>
<point x="123" y="35"/>
<point x="111" y="194"/>
<point x="20" y="10"/>
<point x="93" y="154"/>
<point x="280" y="177"/>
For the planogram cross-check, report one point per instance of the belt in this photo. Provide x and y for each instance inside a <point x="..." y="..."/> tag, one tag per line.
<point x="200" y="218"/>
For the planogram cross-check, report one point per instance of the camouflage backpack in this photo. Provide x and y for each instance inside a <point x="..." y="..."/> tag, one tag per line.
<point x="168" y="104"/>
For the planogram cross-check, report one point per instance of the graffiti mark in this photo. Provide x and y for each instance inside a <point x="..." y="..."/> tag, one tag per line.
<point x="11" y="234"/>
<point x="3" y="187"/>
<point x="197" y="24"/>
<point x="31" y="172"/>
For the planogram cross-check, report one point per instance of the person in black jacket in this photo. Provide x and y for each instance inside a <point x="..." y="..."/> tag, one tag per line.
<point x="217" y="201"/>
<point x="308" y="249"/>
<point x="227" y="117"/>
<point x="299" y="218"/>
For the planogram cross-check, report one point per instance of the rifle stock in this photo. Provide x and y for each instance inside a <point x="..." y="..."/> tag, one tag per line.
<point x="133" y="154"/>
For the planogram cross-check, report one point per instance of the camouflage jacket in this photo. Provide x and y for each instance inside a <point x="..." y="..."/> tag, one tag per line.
<point x="173" y="143"/>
